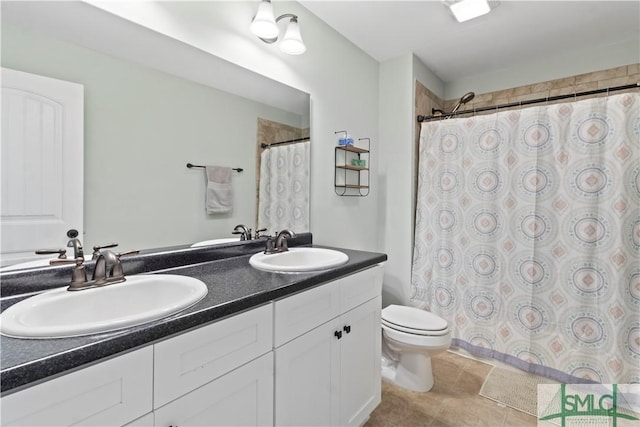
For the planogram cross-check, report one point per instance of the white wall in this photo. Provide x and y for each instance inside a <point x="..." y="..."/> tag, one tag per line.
<point x="342" y="81"/>
<point x="396" y="173"/>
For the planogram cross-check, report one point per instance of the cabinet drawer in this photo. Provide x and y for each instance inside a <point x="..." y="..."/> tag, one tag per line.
<point x="304" y="311"/>
<point x="360" y="287"/>
<point x="113" y="392"/>
<point x="243" y="397"/>
<point x="195" y="358"/>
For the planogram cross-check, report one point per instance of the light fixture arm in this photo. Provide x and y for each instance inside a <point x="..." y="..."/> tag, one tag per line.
<point x="293" y="17"/>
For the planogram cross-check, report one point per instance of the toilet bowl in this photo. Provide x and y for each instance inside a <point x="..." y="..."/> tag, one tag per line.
<point x="410" y="336"/>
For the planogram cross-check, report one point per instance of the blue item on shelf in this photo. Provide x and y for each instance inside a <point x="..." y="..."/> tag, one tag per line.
<point x="345" y="141"/>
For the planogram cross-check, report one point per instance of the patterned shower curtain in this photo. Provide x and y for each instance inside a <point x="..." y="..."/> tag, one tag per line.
<point x="283" y="201"/>
<point x="527" y="236"/>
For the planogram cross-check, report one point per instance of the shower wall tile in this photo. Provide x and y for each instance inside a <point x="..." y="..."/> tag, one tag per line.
<point x="483" y="98"/>
<point x="602" y="75"/>
<point x="541" y="87"/>
<point x="527" y="96"/>
<point x="617" y="81"/>
<point x="562" y="83"/>
<point x="570" y="90"/>
<point x="626" y="74"/>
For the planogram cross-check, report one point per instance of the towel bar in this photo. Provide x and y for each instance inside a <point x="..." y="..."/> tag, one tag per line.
<point x="191" y="165"/>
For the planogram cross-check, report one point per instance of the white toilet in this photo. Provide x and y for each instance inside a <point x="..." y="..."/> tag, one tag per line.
<point x="410" y="336"/>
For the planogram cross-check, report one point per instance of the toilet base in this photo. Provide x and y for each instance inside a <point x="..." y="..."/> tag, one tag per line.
<point x="412" y="372"/>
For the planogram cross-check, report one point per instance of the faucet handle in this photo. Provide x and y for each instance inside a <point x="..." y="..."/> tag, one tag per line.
<point x="79" y="275"/>
<point x="130" y="252"/>
<point x="62" y="253"/>
<point x="96" y="249"/>
<point x="117" y="270"/>
<point x="258" y="231"/>
<point x="270" y="245"/>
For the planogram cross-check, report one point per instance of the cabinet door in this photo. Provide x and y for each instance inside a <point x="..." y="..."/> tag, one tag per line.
<point x="360" y="362"/>
<point x="195" y="358"/>
<point x="307" y="379"/>
<point x="243" y="397"/>
<point x="110" y="393"/>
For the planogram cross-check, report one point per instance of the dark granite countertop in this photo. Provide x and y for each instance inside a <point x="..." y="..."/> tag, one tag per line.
<point x="234" y="286"/>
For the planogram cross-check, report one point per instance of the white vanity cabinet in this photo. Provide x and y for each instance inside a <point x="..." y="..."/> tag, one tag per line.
<point x="217" y="375"/>
<point x="109" y="393"/>
<point x="308" y="359"/>
<point x="329" y="373"/>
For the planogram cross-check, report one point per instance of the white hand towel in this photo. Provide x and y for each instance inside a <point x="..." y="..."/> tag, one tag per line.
<point x="219" y="198"/>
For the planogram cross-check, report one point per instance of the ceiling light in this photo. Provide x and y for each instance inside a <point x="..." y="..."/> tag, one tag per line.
<point x="468" y="9"/>
<point x="292" y="41"/>
<point x="266" y="28"/>
<point x="264" y="24"/>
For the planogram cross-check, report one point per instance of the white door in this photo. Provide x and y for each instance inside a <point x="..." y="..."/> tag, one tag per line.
<point x="360" y="363"/>
<point x="307" y="379"/>
<point x="42" y="164"/>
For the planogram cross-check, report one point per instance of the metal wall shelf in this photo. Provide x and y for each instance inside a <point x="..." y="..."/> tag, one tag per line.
<point x="350" y="179"/>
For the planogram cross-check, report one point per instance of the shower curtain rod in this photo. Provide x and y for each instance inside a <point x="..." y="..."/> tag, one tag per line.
<point x="290" y="141"/>
<point x="529" y="102"/>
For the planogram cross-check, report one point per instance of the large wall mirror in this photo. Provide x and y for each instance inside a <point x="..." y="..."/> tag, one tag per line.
<point x="151" y="105"/>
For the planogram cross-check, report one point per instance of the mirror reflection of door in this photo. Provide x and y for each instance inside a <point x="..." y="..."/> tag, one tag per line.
<point x="42" y="164"/>
<point x="283" y="177"/>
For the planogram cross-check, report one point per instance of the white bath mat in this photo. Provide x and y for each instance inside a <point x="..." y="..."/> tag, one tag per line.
<point x="513" y="388"/>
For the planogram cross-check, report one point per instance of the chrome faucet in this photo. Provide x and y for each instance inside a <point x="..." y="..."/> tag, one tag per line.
<point x="243" y="231"/>
<point x="75" y="243"/>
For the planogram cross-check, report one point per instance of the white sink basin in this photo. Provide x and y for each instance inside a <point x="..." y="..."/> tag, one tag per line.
<point x="140" y="299"/>
<point x="299" y="260"/>
<point x="216" y="241"/>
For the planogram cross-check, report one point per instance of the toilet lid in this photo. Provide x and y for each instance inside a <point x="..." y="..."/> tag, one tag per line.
<point x="412" y="319"/>
<point x="421" y="332"/>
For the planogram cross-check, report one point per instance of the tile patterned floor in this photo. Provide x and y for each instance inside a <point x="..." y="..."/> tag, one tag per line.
<point x="454" y="400"/>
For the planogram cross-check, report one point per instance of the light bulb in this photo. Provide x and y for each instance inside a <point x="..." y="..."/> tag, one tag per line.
<point x="292" y="41"/>
<point x="264" y="24"/>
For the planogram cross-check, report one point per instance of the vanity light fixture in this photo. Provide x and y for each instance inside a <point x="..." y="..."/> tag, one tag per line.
<point x="265" y="26"/>
<point x="465" y="10"/>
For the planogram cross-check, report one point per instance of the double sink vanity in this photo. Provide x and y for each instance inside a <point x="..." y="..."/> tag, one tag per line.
<point x="207" y="335"/>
